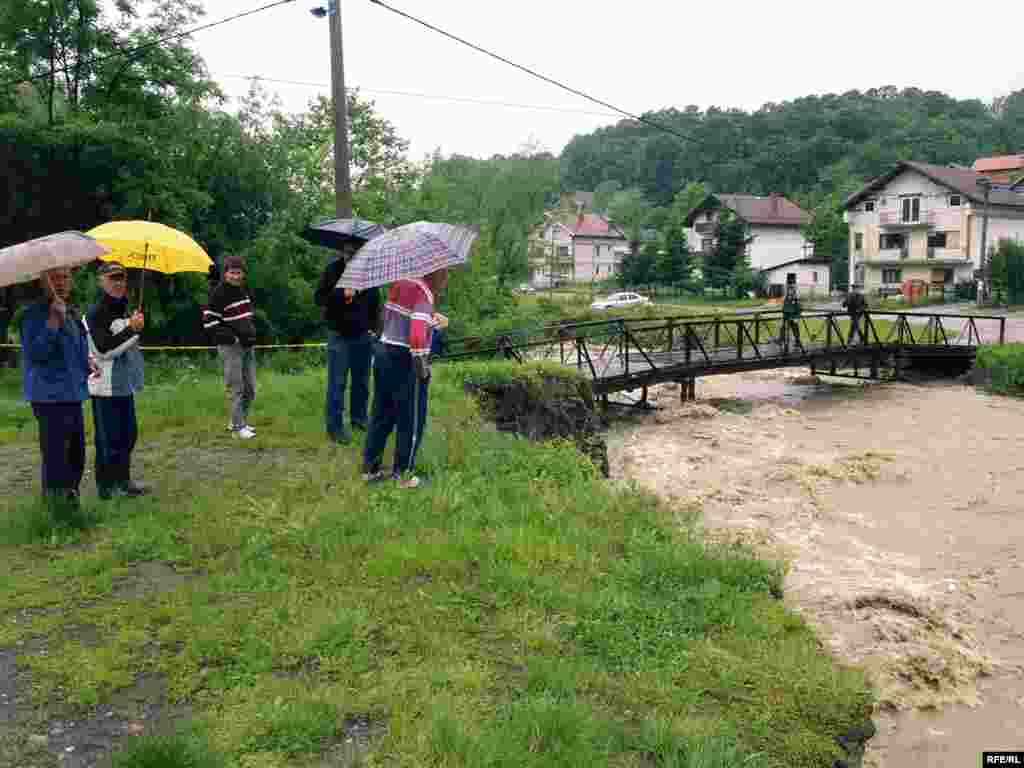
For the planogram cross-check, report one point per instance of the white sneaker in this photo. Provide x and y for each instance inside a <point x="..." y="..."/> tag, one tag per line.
<point x="243" y="433"/>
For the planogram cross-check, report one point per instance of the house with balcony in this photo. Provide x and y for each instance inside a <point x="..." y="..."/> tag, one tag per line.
<point x="924" y="222"/>
<point x="581" y="248"/>
<point x="773" y="222"/>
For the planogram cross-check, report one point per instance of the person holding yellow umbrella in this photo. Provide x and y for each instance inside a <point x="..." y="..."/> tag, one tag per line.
<point x="114" y="336"/>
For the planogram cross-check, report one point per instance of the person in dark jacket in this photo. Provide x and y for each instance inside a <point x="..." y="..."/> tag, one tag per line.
<point x="855" y="305"/>
<point x="114" y="344"/>
<point x="353" y="320"/>
<point x="55" y="376"/>
<point x="791" y="311"/>
<point x="228" y="319"/>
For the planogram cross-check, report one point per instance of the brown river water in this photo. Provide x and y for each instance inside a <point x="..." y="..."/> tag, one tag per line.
<point x="900" y="511"/>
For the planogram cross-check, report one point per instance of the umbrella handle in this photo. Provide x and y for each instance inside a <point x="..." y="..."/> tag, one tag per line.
<point x="142" y="279"/>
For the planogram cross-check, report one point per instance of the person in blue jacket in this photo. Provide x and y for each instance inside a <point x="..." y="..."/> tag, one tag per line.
<point x="56" y="370"/>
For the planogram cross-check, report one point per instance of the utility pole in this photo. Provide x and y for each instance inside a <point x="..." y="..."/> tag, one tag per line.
<point x="342" y="181"/>
<point x="985" y="262"/>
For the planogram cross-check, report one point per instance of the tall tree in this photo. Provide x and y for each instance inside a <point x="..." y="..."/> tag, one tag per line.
<point x="629" y="211"/>
<point x="727" y="260"/>
<point x="673" y="263"/>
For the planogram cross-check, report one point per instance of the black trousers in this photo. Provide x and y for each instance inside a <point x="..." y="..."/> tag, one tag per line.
<point x="116" y="433"/>
<point x="62" y="445"/>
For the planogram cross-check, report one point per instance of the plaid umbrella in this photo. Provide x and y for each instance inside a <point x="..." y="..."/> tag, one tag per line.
<point x="409" y="251"/>
<point x="26" y="261"/>
<point x="334" y="233"/>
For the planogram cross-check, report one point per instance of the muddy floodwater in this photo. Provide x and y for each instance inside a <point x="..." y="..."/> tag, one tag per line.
<point x="900" y="511"/>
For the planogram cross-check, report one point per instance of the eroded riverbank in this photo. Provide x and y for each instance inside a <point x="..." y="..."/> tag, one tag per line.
<point x="898" y="507"/>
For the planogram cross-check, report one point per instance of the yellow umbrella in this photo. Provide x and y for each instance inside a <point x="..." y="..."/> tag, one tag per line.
<point x="150" y="245"/>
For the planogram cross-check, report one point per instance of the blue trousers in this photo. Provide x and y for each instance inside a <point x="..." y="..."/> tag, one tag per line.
<point x="399" y="405"/>
<point x="345" y="357"/>
<point x="116" y="433"/>
<point x="62" y="445"/>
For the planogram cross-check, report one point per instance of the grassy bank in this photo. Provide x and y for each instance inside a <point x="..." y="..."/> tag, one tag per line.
<point x="1002" y="367"/>
<point x="517" y="611"/>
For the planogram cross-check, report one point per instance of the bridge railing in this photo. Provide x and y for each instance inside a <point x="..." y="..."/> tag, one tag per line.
<point x="620" y="347"/>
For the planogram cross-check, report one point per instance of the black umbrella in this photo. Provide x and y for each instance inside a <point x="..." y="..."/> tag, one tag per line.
<point x="335" y="233"/>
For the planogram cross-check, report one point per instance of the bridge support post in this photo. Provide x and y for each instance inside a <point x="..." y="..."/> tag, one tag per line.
<point x="688" y="390"/>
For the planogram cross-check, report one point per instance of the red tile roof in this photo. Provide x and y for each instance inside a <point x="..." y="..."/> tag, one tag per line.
<point x="773" y="209"/>
<point x="766" y="210"/>
<point x="592" y="225"/>
<point x="999" y="163"/>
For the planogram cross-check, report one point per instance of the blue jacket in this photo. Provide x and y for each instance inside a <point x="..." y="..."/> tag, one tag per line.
<point x="56" y="360"/>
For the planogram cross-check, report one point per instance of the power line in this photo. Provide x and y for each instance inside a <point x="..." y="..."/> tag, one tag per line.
<point x="531" y="72"/>
<point x="465" y="99"/>
<point x="144" y="46"/>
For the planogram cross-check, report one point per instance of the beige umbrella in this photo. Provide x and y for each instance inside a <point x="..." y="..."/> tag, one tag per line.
<point x="27" y="261"/>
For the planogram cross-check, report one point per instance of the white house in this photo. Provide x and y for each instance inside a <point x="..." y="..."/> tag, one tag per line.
<point x="773" y="223"/>
<point x="811" y="276"/>
<point x="924" y="222"/>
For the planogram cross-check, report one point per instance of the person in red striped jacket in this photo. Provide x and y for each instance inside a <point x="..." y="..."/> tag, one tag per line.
<point x="401" y="360"/>
<point x="228" y="319"/>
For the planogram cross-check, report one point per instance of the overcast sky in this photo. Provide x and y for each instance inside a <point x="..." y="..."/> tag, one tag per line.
<point x="640" y="55"/>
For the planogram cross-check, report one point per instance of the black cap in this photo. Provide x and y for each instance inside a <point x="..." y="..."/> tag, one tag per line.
<point x="111" y="268"/>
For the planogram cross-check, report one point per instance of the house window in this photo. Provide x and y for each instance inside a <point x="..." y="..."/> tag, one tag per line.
<point x="707" y="216"/>
<point x="954" y="200"/>
<point x="707" y="244"/>
<point x="563" y="251"/>
<point x="858" y="241"/>
<point x="814" y="277"/>
<point x="890" y="242"/>
<point x="890" y="276"/>
<point x="869" y="206"/>
<point x="936" y="239"/>
<point x="910" y="209"/>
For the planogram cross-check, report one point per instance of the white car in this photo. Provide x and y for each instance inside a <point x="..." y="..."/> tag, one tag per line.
<point x="620" y="300"/>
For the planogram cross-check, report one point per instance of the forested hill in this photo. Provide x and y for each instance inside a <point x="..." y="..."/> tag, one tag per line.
<point x="815" y="144"/>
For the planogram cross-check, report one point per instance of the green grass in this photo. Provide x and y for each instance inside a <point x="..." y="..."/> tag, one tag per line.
<point x="516" y="611"/>
<point x="1004" y="367"/>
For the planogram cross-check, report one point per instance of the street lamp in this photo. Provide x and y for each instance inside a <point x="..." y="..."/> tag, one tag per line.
<point x="984" y="262"/>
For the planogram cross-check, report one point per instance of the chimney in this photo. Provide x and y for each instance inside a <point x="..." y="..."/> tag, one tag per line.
<point x="775" y="201"/>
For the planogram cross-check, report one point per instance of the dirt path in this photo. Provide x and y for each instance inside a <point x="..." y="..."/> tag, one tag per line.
<point x="899" y="508"/>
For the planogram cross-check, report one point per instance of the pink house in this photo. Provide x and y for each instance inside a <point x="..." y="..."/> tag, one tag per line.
<point x="579" y="249"/>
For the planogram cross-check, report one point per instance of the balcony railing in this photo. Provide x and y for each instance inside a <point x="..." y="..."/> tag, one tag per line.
<point x="895" y="219"/>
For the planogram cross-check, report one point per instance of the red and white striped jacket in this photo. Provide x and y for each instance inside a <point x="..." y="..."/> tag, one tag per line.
<point x="409" y="317"/>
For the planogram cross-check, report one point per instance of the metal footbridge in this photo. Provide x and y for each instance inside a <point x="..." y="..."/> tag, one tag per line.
<point x="626" y="355"/>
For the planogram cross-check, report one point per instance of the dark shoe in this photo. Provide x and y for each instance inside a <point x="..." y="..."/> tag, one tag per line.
<point x="133" y="489"/>
<point x="106" y="492"/>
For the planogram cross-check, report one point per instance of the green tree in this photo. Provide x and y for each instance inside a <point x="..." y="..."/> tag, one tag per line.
<point x="603" y="194"/>
<point x="629" y="211"/>
<point x="673" y="264"/>
<point x="640" y="267"/>
<point x="1007" y="260"/>
<point x="727" y="263"/>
